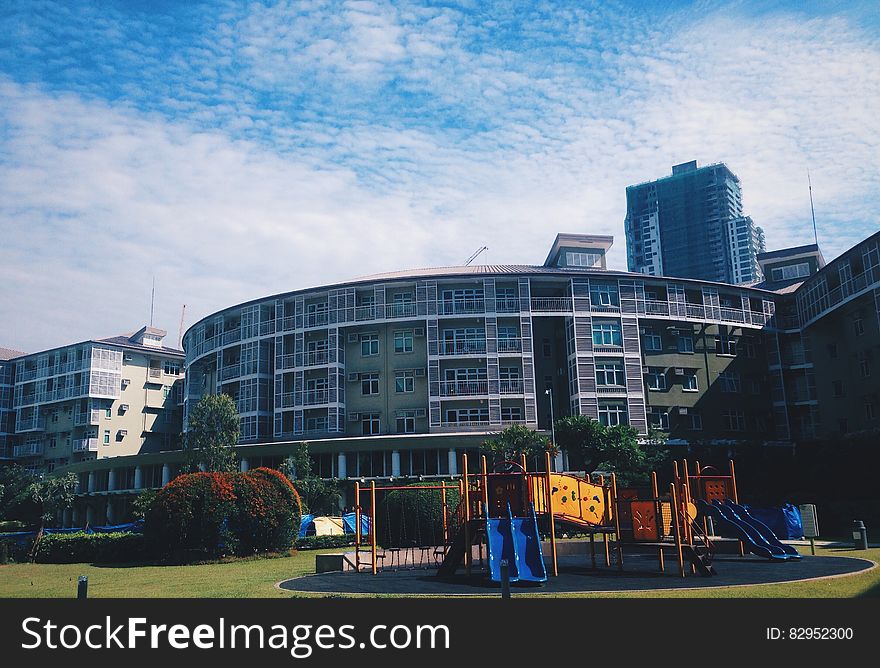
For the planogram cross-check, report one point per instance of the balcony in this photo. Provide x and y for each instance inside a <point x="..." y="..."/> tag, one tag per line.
<point x="466" y="424"/>
<point x="459" y="388"/>
<point x="551" y="304"/>
<point x="87" y="417"/>
<point x="695" y="311"/>
<point x="473" y="347"/>
<point x="267" y="327"/>
<point x="231" y="336"/>
<point x="30" y="423"/>
<point x="316" y="319"/>
<point x="460" y="306"/>
<point x="85" y="445"/>
<point x="317" y="358"/>
<point x="611" y="389"/>
<point x="654" y="307"/>
<point x="229" y="372"/>
<point x="507" y="305"/>
<point x="401" y="310"/>
<point x="511" y="386"/>
<point x="365" y="313"/>
<point x="732" y="315"/>
<point x="509" y="345"/>
<point x="315" y="397"/>
<point x="32" y="449"/>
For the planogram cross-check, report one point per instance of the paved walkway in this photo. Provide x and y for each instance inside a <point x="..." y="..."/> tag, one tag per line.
<point x="640" y="573"/>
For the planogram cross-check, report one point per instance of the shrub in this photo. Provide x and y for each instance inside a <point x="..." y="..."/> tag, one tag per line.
<point x="98" y="548"/>
<point x="324" y="542"/>
<point x="405" y="518"/>
<point x="215" y="514"/>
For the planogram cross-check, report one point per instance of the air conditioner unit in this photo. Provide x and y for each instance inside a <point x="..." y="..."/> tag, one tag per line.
<point x="679" y="372"/>
<point x="354" y="417"/>
<point x="682" y="410"/>
<point x="421" y="412"/>
<point x="646" y="369"/>
<point x="642" y="330"/>
<point x="419" y="331"/>
<point x="354" y="377"/>
<point x="123" y="407"/>
<point x="352" y="338"/>
<point x="123" y="432"/>
<point x="419" y="373"/>
<point x="126" y="382"/>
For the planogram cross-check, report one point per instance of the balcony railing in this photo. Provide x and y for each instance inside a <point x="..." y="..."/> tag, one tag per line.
<point x="365" y="313"/>
<point x="231" y="336"/>
<point x="610" y="389"/>
<point x="28" y="450"/>
<point x="85" y="445"/>
<point x="318" y="319"/>
<point x="231" y="371"/>
<point x="695" y="311"/>
<point x="505" y="305"/>
<point x="466" y="424"/>
<point x="34" y="422"/>
<point x="314" y="397"/>
<point x="511" y="386"/>
<point x="458" y="388"/>
<point x="474" y="347"/>
<point x="509" y="345"/>
<point x="401" y="310"/>
<point x="653" y="307"/>
<point x="317" y="358"/>
<point x="551" y="304"/>
<point x="459" y="306"/>
<point x="88" y="417"/>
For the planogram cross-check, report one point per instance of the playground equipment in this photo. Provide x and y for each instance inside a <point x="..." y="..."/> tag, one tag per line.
<point x="715" y="496"/>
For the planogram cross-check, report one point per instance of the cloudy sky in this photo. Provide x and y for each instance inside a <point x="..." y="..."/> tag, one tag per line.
<point x="235" y="150"/>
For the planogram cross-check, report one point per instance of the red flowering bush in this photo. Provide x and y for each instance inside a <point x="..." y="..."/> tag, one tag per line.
<point x="214" y="514"/>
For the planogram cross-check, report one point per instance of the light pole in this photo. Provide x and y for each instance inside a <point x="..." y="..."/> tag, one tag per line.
<point x="549" y="393"/>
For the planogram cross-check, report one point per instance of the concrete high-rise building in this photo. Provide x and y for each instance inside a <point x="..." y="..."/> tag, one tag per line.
<point x="691" y="225"/>
<point x="7" y="413"/>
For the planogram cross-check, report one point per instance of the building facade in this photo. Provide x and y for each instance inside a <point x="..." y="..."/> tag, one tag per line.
<point x="97" y="399"/>
<point x="7" y="412"/>
<point x="691" y="225"/>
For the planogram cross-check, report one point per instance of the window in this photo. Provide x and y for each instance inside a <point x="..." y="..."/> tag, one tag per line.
<point x="725" y="345"/>
<point x="689" y="381"/>
<point x="730" y="381"/>
<point x="468" y="416"/>
<point x="653" y="341"/>
<point x="108" y="412"/>
<point x="837" y="388"/>
<point x="166" y="391"/>
<point x="403" y="341"/>
<point x="511" y="414"/>
<point x="509" y="373"/>
<point x="610" y="373"/>
<point x="656" y="378"/>
<point x="404" y="381"/>
<point x="858" y="326"/>
<point x="733" y="420"/>
<point x="658" y="418"/>
<point x="800" y="270"/>
<point x="369" y="384"/>
<point x="403" y="305"/>
<point x="695" y="421"/>
<point x="749" y="349"/>
<point x="370" y="424"/>
<point x="613" y="414"/>
<point x="546" y="348"/>
<point x="171" y="368"/>
<point x="106" y="437"/>
<point x="406" y="422"/>
<point x="864" y="365"/>
<point x="604" y="295"/>
<point x="582" y="259"/>
<point x="870" y="409"/>
<point x="606" y="334"/>
<point x="685" y="344"/>
<point x="832" y="350"/>
<point x="369" y="345"/>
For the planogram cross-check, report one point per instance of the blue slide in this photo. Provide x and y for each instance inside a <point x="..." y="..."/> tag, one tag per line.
<point x="517" y="540"/>
<point x="765" y="531"/>
<point x="751" y="537"/>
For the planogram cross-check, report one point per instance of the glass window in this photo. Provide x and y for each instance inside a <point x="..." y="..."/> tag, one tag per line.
<point x="613" y="414"/>
<point x="404" y="381"/>
<point x="733" y="420"/>
<point x="369" y="384"/>
<point x="574" y="259"/>
<point x="685" y="344"/>
<point x="607" y="334"/>
<point x="106" y="437"/>
<point x="689" y="381"/>
<point x="604" y="295"/>
<point x="725" y="345"/>
<point x="653" y="341"/>
<point x="656" y="378"/>
<point x="695" y="420"/>
<point x="610" y="373"/>
<point x="370" y="424"/>
<point x="406" y="422"/>
<point x="730" y="381"/>
<point x="403" y="341"/>
<point x="658" y="418"/>
<point x="369" y="345"/>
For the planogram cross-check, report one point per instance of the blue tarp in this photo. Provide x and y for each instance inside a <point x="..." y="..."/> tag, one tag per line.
<point x="305" y="524"/>
<point x="785" y="522"/>
<point x="348" y="523"/>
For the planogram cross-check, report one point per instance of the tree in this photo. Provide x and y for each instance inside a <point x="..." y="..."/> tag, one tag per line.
<point x="517" y="440"/>
<point x="212" y="434"/>
<point x="141" y="504"/>
<point x="51" y="494"/>
<point x="317" y="495"/>
<point x="15" y="498"/>
<point x="583" y="439"/>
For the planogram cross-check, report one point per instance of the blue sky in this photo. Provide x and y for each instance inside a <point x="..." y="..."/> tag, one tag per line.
<point x="240" y="149"/>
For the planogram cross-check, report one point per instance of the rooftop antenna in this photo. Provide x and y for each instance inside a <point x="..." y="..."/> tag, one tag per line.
<point x="152" y="299"/>
<point x="474" y="256"/>
<point x="812" y="210"/>
<point x="180" y="329"/>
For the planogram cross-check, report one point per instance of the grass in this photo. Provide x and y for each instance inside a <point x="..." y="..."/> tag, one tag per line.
<point x="257" y="577"/>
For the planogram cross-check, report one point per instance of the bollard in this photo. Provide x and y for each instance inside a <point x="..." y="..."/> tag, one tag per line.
<point x="82" y="587"/>
<point x="505" y="579"/>
<point x="860" y="535"/>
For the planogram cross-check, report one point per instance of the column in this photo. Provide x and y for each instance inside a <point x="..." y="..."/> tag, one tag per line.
<point x="91" y="481"/>
<point x="166" y="474"/>
<point x="109" y="511"/>
<point x="395" y="463"/>
<point x="111" y="481"/>
<point x="452" y="457"/>
<point x="138" y="477"/>
<point x="76" y="515"/>
<point x="68" y="518"/>
<point x="341" y="471"/>
<point x="244" y="465"/>
<point x="90" y="514"/>
<point x="558" y="464"/>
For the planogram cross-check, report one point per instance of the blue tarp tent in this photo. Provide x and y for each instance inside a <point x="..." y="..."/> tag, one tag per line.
<point x="306" y="523"/>
<point x="349" y="523"/>
<point x="785" y="522"/>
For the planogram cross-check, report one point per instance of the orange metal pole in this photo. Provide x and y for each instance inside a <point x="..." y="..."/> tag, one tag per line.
<point x="524" y="462"/>
<point x="616" y="523"/>
<point x="484" y="482"/>
<point x="550" y="515"/>
<point x="685" y="497"/>
<point x="742" y="549"/>
<point x="445" y="511"/>
<point x="658" y="518"/>
<point x="676" y="529"/>
<point x="357" y="524"/>
<point x="373" y="522"/>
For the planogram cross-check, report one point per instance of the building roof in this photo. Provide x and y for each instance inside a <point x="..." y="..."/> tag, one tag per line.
<point x="600" y="242"/>
<point x="792" y="253"/>
<point x="10" y="354"/>
<point x="122" y="341"/>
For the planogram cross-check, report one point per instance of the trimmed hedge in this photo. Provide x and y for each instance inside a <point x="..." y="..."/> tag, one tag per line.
<point x="324" y="542"/>
<point x="215" y="514"/>
<point x="96" y="548"/>
<point x="406" y="518"/>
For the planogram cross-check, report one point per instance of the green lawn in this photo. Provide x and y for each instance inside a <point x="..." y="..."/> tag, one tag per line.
<point x="256" y="578"/>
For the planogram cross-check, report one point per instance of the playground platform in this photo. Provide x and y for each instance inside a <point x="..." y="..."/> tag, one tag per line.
<point x="577" y="577"/>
